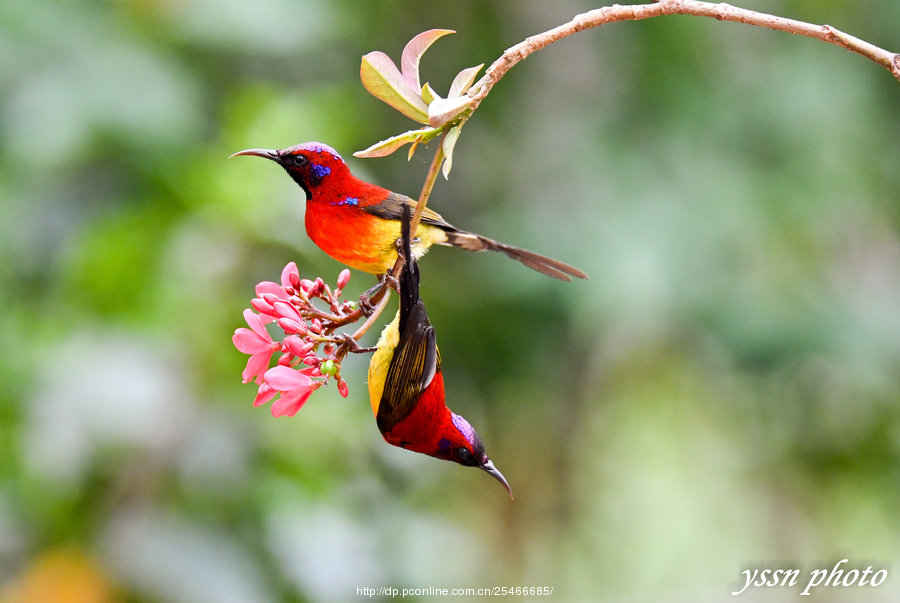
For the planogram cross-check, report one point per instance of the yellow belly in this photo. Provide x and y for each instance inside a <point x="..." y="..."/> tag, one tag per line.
<point x="381" y="361"/>
<point x="362" y="241"/>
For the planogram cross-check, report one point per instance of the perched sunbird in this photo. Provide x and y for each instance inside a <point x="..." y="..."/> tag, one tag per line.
<point x="406" y="386"/>
<point x="357" y="223"/>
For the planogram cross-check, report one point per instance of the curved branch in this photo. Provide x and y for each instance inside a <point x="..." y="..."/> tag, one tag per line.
<point x="636" y="12"/>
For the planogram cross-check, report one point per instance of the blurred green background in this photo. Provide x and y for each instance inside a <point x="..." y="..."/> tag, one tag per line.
<point x="722" y="394"/>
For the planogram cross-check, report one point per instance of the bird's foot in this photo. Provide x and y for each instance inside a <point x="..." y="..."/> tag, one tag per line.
<point x="365" y="300"/>
<point x="365" y="304"/>
<point x="389" y="280"/>
<point x="352" y="345"/>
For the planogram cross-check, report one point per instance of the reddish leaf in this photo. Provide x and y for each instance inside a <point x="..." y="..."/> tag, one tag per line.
<point x="445" y="110"/>
<point x="415" y="48"/>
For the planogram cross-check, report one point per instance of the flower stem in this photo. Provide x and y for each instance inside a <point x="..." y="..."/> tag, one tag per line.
<point x="427" y="187"/>
<point x="373" y="317"/>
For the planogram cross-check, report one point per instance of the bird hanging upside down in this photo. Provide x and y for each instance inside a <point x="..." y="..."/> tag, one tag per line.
<point x="406" y="385"/>
<point x="357" y="223"/>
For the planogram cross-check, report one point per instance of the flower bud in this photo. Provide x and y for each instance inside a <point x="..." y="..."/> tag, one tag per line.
<point x="261" y="306"/>
<point x="343" y="278"/>
<point x="286" y="310"/>
<point x="291" y="326"/>
<point x="328" y="367"/>
<point x="311" y="360"/>
<point x="342" y="388"/>
<point x="285" y="359"/>
<point x="297" y="346"/>
<point x="289" y="275"/>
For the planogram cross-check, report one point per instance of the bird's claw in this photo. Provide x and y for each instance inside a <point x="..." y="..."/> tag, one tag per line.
<point x="352" y="345"/>
<point x="365" y="300"/>
<point x="365" y="305"/>
<point x="389" y="280"/>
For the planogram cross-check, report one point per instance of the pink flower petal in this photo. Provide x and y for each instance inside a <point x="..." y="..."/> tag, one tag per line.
<point x="256" y="324"/>
<point x="289" y="403"/>
<point x="289" y="269"/>
<point x="263" y="395"/>
<point x="249" y="342"/>
<point x="286" y="379"/>
<point x="256" y="367"/>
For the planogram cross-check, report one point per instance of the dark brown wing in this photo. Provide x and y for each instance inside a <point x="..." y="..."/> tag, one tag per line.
<point x="415" y="362"/>
<point x="416" y="359"/>
<point x="392" y="209"/>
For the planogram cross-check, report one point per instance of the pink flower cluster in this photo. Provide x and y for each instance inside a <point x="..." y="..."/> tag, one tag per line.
<point x="299" y="369"/>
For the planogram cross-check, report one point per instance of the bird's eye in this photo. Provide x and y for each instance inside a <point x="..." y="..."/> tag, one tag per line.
<point x="300" y="160"/>
<point x="463" y="454"/>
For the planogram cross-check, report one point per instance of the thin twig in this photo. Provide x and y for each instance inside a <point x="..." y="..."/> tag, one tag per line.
<point x="636" y="12"/>
<point x="373" y="317"/>
<point x="430" y="179"/>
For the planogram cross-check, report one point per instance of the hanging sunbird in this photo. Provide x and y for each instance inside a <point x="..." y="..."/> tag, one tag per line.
<point x="406" y="385"/>
<point x="357" y="223"/>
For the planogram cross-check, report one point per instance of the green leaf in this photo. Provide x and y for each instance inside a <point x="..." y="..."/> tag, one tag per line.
<point x="449" y="143"/>
<point x="412" y="150"/>
<point x="429" y="95"/>
<point x="415" y="48"/>
<point x="389" y="145"/>
<point x="444" y="110"/>
<point x="383" y="80"/>
<point x="464" y="80"/>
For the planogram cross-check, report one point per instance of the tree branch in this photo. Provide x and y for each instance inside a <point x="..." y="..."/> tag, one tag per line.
<point x="636" y="12"/>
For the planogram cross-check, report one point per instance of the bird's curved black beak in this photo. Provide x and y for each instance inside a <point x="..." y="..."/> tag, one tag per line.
<point x="266" y="153"/>
<point x="489" y="467"/>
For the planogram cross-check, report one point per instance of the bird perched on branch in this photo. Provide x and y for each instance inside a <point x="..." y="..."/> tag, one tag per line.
<point x="406" y="384"/>
<point x="357" y="223"/>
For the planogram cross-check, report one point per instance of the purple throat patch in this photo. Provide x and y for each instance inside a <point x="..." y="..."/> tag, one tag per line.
<point x="320" y="171"/>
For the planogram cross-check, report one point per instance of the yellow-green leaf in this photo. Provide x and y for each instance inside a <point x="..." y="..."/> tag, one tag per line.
<point x="389" y="145"/>
<point x="429" y="95"/>
<point x="464" y="80"/>
<point x="448" y="145"/>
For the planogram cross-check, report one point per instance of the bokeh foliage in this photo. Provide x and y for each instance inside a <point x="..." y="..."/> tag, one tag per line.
<point x="721" y="394"/>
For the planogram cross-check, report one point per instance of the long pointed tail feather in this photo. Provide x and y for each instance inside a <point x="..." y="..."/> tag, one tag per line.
<point x="541" y="263"/>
